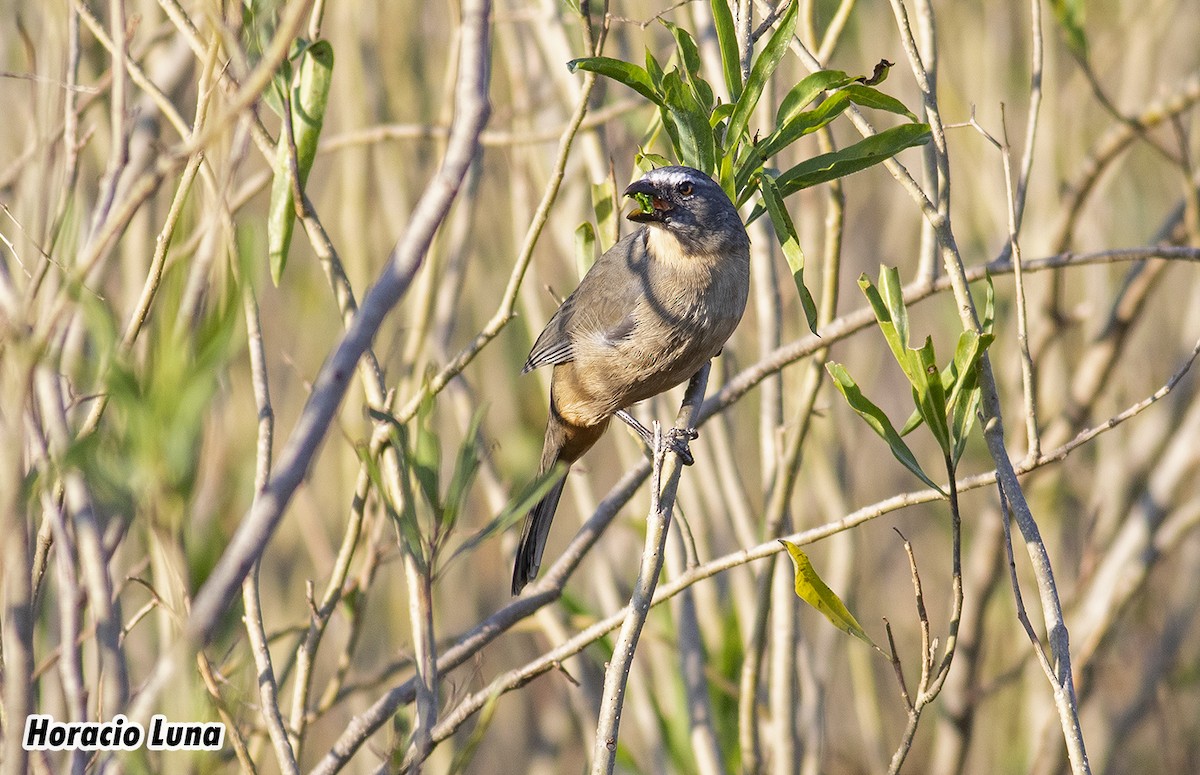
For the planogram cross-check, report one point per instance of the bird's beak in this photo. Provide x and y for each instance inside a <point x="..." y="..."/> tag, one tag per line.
<point x="647" y="192"/>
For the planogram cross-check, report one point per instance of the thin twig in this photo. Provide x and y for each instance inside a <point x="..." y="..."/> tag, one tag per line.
<point x="1028" y="381"/>
<point x="268" y="689"/>
<point x="70" y="604"/>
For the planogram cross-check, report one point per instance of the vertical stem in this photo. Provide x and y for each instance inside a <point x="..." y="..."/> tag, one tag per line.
<point x="662" y="501"/>
<point x="418" y="576"/>
<point x="70" y="603"/>
<point x="268" y="689"/>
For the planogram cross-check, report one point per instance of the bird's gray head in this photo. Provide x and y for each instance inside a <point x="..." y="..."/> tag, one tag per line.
<point x="689" y="205"/>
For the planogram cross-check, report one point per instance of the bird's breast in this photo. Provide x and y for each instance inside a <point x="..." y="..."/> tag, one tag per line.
<point x="687" y="309"/>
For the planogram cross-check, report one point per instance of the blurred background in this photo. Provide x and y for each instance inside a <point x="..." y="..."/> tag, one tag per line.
<point x="169" y="467"/>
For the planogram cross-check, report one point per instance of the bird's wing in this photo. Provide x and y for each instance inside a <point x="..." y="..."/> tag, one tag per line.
<point x="600" y="310"/>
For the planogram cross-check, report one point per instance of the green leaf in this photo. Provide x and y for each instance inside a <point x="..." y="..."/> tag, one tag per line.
<point x="693" y="134"/>
<point x="814" y="591"/>
<point x="648" y="161"/>
<point x="989" y="305"/>
<point x="630" y="75"/>
<point x="464" y="757"/>
<point x="689" y="55"/>
<point x="877" y="420"/>
<point x="654" y="70"/>
<point x="893" y="296"/>
<point x="721" y="113"/>
<point x="585" y="247"/>
<point x="785" y="232"/>
<point x="967" y="353"/>
<point x="869" y="97"/>
<point x="865" y="153"/>
<point x="963" y="419"/>
<point x="512" y="513"/>
<point x="425" y="457"/>
<point x="1070" y="17"/>
<point x="309" y="98"/>
<point x="964" y="397"/>
<point x="803" y="93"/>
<point x="959" y="378"/>
<point x="894" y="331"/>
<point x="784" y="135"/>
<point x="929" y="395"/>
<point x="403" y="514"/>
<point x="731" y="58"/>
<point x="792" y="122"/>
<point x="760" y="72"/>
<point x="466" y="466"/>
<point x="607" y="206"/>
<point x="913" y="422"/>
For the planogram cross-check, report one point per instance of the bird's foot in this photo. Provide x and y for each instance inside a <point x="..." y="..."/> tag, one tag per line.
<point x="677" y="440"/>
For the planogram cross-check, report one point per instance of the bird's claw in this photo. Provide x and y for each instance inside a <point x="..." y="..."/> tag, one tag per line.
<point x="677" y="441"/>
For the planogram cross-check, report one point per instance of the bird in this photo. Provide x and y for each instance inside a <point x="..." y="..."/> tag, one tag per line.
<point x="648" y="315"/>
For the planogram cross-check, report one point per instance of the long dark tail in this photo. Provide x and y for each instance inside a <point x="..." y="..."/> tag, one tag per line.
<point x="533" y="536"/>
<point x="563" y="446"/>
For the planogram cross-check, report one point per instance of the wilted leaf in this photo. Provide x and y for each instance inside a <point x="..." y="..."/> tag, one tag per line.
<point x="812" y="590"/>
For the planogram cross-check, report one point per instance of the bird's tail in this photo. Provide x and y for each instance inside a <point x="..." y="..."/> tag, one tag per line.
<point x="563" y="446"/>
<point x="533" y="536"/>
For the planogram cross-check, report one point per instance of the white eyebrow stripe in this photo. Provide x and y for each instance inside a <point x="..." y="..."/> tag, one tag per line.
<point x="672" y="177"/>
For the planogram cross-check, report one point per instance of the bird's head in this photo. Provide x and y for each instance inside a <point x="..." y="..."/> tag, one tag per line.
<point x="690" y="206"/>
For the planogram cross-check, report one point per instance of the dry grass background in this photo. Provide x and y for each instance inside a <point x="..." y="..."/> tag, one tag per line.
<point x="170" y="470"/>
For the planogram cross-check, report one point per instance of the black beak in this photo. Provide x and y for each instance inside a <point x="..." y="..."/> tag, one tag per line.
<point x="659" y="206"/>
<point x="642" y="186"/>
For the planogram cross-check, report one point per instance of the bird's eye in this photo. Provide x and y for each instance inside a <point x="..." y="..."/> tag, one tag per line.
<point x="685" y="188"/>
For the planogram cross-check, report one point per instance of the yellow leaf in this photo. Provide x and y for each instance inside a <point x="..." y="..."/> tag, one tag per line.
<point x="814" y="591"/>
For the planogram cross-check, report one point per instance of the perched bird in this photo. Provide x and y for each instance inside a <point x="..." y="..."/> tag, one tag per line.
<point x="647" y="316"/>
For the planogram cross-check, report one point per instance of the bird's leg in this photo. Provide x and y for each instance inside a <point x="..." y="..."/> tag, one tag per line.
<point x="677" y="439"/>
